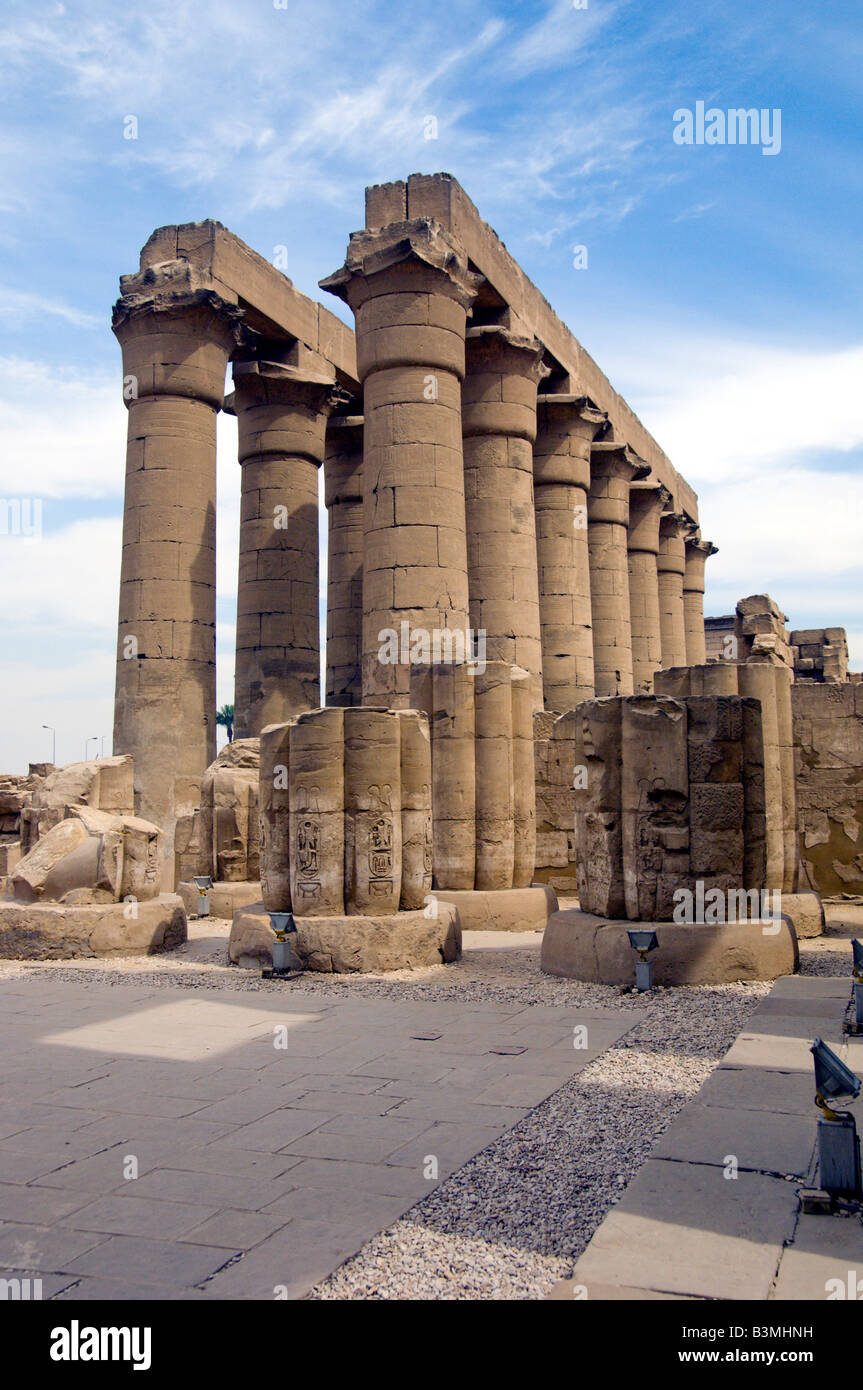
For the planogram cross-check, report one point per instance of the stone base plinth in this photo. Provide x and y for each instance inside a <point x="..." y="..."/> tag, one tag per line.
<point x="53" y="931"/>
<point x="225" y="898"/>
<point x="806" y="912"/>
<point x="350" y="945"/>
<point x="580" y="946"/>
<point x="508" y="909"/>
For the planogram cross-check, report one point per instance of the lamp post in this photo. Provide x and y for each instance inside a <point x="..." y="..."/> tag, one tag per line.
<point x="53" y="732"/>
<point x="94" y="738"/>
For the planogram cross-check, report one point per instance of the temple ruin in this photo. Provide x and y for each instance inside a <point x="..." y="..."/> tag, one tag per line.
<point x="515" y="591"/>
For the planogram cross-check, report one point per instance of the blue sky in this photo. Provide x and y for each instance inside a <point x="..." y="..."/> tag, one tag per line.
<point x="722" y="294"/>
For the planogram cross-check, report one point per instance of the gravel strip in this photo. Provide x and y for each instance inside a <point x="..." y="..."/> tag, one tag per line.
<point x="514" y="1219"/>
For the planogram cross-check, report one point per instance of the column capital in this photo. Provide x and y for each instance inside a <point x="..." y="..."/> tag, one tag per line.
<point x="502" y="371"/>
<point x="404" y="257"/>
<point x="697" y="554"/>
<point x="177" y="333"/>
<point x="696" y="545"/>
<point x="673" y="528"/>
<point x="566" y="428"/>
<point x="493" y="348"/>
<point x="609" y="459"/>
<point x="647" y="500"/>
<point x="343" y="464"/>
<point x="281" y="409"/>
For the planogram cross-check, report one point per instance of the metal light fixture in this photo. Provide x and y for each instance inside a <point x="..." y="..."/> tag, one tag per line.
<point x="838" y="1149"/>
<point x="643" y="940"/>
<point x="285" y="963"/>
<point x="53" y="732"/>
<point x="203" y="883"/>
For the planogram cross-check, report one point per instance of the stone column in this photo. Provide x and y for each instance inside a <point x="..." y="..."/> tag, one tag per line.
<point x="671" y="564"/>
<point x="612" y="468"/>
<point x="343" y="492"/>
<point x="697" y="552"/>
<point x="646" y="501"/>
<point x="566" y="426"/>
<point x="495" y="825"/>
<point x="499" y="427"/>
<point x="176" y="338"/>
<point x="281" y="414"/>
<point x="410" y="288"/>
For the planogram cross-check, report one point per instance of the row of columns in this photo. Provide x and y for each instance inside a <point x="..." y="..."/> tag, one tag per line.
<point x="460" y="502"/>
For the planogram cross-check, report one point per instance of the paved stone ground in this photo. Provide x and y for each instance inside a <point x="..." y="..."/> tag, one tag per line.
<point x="685" y="1228"/>
<point x="260" y="1167"/>
<point x="257" y="1165"/>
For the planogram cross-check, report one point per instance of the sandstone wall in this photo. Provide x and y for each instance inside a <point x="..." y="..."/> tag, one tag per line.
<point x="828" y="753"/>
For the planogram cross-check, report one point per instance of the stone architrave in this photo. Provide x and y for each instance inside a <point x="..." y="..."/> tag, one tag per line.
<point x="671" y="566"/>
<point x="416" y="802"/>
<point x="176" y="334"/>
<point x="446" y="693"/>
<point x="646" y="503"/>
<point x="566" y="427"/>
<point x="495" y="824"/>
<point x="373" y="812"/>
<point x="499" y="427"/>
<point x="654" y="804"/>
<point x="697" y="554"/>
<point x="316" y="780"/>
<point x="343" y="494"/>
<point x="410" y="288"/>
<point x="612" y="468"/>
<point x="281" y="410"/>
<point x="597" y="786"/>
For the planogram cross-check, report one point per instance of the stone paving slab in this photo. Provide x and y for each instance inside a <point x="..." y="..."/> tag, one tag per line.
<point x="271" y="1134"/>
<point x="683" y="1228"/>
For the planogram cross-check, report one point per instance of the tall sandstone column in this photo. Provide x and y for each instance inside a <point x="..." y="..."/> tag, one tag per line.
<point x="281" y="414"/>
<point x="612" y="468"/>
<point x="566" y="426"/>
<point x="499" y="427"/>
<point x="646" y="501"/>
<point x="343" y="494"/>
<point x="671" y="565"/>
<point x="410" y="287"/>
<point x="176" y="335"/>
<point x="697" y="554"/>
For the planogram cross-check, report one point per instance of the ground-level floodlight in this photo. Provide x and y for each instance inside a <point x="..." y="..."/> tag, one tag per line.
<point x="643" y="940"/>
<point x="838" y="1149"/>
<point x="203" y="884"/>
<point x="285" y="964"/>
